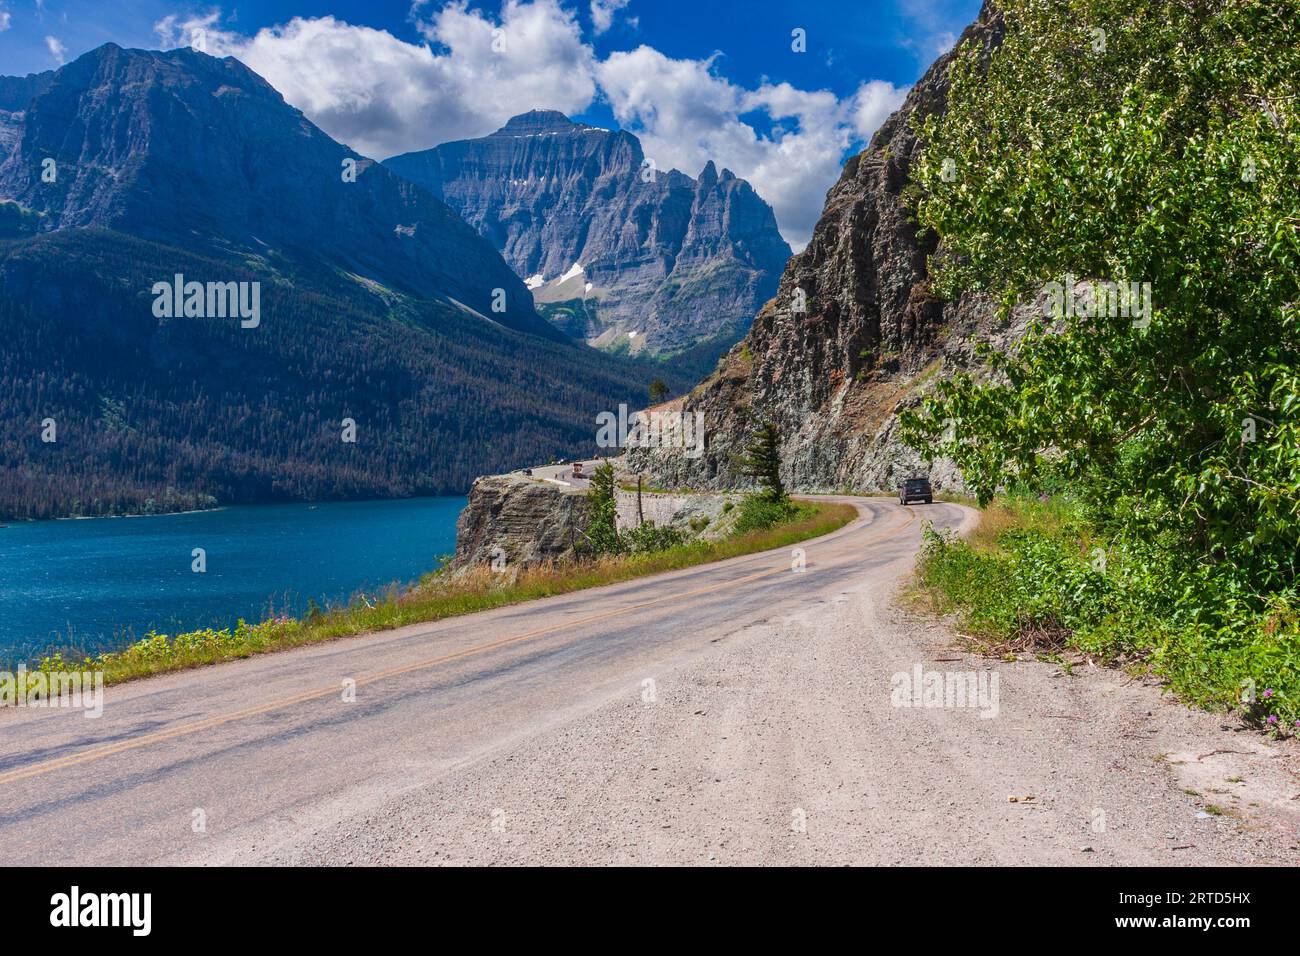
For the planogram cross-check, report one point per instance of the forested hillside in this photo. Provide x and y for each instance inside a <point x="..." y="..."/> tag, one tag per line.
<point x="171" y="413"/>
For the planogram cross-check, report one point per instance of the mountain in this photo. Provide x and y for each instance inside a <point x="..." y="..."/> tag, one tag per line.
<point x="375" y="305"/>
<point x="870" y="337"/>
<point x="624" y="256"/>
<point x="16" y="92"/>
<point x="183" y="146"/>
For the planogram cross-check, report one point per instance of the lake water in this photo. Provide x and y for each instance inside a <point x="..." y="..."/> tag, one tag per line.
<point x="99" y="583"/>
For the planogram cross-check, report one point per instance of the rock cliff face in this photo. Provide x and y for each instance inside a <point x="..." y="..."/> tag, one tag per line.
<point x="616" y="253"/>
<point x="517" y="521"/>
<point x="870" y="336"/>
<point x="16" y="92"/>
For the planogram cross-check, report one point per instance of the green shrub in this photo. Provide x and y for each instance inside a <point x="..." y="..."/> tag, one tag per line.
<point x="602" y="529"/>
<point x="758" y="512"/>
<point x="1048" y="580"/>
<point x="649" y="538"/>
<point x="1162" y="159"/>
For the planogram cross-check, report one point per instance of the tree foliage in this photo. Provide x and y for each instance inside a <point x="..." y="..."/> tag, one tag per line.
<point x="602" y="523"/>
<point x="762" y="460"/>
<point x="1147" y="141"/>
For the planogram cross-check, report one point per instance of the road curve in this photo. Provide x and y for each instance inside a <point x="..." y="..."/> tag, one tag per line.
<point x="213" y="763"/>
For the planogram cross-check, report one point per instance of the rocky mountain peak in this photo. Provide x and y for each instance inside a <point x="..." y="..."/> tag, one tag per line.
<point x="538" y="121"/>
<point x="16" y="93"/>
<point x="619" y="252"/>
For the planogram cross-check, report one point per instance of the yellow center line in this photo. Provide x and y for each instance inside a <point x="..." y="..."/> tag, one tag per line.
<point x="72" y="760"/>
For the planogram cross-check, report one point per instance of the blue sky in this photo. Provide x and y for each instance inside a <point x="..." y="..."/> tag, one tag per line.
<point x="695" y="79"/>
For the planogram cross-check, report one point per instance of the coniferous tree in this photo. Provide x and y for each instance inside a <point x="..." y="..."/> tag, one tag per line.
<point x="762" y="460"/>
<point x="602" y="528"/>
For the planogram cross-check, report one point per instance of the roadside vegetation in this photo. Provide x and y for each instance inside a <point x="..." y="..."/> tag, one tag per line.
<point x="441" y="595"/>
<point x="1148" y="149"/>
<point x="1036" y="578"/>
<point x="762" y="460"/>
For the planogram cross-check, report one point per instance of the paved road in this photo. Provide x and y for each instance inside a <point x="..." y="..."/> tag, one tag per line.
<point x="205" y="764"/>
<point x="564" y="473"/>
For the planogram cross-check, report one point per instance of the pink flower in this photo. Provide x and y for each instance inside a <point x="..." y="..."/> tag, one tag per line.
<point x="1272" y="718"/>
<point x="1268" y="692"/>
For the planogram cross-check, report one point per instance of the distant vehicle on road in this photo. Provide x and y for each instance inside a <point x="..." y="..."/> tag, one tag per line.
<point x="915" y="489"/>
<point x="577" y="469"/>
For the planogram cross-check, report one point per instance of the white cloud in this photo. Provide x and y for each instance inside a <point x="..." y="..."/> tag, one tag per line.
<point x="685" y="115"/>
<point x="194" y="31"/>
<point x="602" y="13"/>
<point x="57" y="50"/>
<point x="942" y="43"/>
<point x="4" y="20"/>
<point x="382" y="95"/>
<point x="872" y="104"/>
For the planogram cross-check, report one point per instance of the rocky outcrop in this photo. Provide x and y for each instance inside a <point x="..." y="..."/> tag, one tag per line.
<point x="854" y="334"/>
<point x="616" y="252"/>
<point x="516" y="521"/>
<point x="690" y="513"/>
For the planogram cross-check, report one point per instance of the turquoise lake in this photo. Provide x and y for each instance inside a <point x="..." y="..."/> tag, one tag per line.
<point x="99" y="583"/>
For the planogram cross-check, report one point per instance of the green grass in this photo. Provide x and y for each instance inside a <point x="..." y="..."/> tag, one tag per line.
<point x="1035" y="578"/>
<point x="438" y="596"/>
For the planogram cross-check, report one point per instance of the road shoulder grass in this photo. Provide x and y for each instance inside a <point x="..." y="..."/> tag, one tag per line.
<point x="436" y="597"/>
<point x="1035" y="578"/>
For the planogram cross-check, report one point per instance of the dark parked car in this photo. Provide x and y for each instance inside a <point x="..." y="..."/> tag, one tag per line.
<point x="915" y="489"/>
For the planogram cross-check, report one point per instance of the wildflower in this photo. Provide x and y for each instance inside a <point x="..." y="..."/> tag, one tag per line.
<point x="1272" y="718"/>
<point x="1268" y="692"/>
